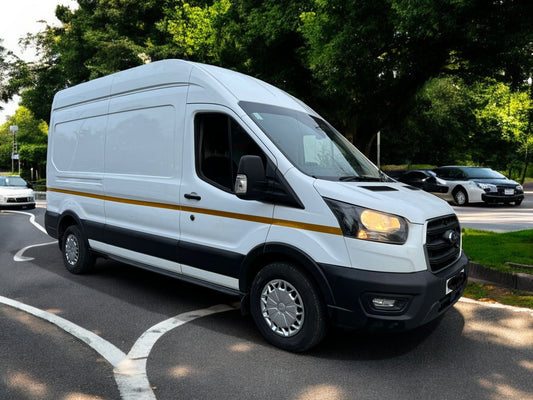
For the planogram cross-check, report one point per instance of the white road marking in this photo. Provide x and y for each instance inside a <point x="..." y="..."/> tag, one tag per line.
<point x="130" y="374"/>
<point x="112" y="354"/>
<point x="129" y="370"/>
<point x="32" y="219"/>
<point x="19" y="256"/>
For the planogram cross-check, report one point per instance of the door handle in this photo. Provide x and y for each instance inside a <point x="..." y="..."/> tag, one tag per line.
<point x="192" y="196"/>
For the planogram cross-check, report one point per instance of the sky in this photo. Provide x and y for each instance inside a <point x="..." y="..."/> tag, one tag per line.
<point x="19" y="17"/>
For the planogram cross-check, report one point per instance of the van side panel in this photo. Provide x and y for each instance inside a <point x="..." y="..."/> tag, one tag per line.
<point x="76" y="161"/>
<point x="142" y="174"/>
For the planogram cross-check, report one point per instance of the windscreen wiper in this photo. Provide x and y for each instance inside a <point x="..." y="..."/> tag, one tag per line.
<point x="358" y="178"/>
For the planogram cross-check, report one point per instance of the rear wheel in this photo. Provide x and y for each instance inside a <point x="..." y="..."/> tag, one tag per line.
<point x="460" y="197"/>
<point x="287" y="308"/>
<point x="77" y="256"/>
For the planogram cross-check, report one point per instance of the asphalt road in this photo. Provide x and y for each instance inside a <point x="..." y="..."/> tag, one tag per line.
<point x="498" y="218"/>
<point x="124" y="333"/>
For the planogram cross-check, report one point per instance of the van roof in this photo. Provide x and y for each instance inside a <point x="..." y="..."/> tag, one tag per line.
<point x="211" y="85"/>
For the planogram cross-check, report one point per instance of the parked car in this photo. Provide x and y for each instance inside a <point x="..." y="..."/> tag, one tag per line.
<point x="15" y="193"/>
<point x="478" y="185"/>
<point x="424" y="179"/>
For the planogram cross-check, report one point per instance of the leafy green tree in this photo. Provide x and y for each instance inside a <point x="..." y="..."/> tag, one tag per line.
<point x="96" y="39"/>
<point x="261" y="39"/>
<point x="360" y="63"/>
<point x="32" y="139"/>
<point x="377" y="54"/>
<point x="503" y="120"/>
<point x="484" y="123"/>
<point x="436" y="130"/>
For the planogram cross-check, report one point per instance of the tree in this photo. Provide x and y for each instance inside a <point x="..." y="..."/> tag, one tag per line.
<point x="436" y="131"/>
<point x="31" y="139"/>
<point x="503" y="120"/>
<point x="261" y="39"/>
<point x="360" y="63"/>
<point x="375" y="55"/>
<point x="96" y="39"/>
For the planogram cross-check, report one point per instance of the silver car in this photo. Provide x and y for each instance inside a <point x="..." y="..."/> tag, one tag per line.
<point x="478" y="185"/>
<point x="15" y="193"/>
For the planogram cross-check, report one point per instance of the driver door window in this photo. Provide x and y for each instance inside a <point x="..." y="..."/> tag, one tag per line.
<point x="220" y="142"/>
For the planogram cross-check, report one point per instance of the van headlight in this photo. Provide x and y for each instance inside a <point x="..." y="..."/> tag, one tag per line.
<point x="366" y="224"/>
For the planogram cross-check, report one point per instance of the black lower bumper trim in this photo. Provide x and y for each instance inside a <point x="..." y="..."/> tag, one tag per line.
<point x="425" y="296"/>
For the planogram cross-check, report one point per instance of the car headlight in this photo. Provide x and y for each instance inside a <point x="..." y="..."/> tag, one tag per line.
<point x="487" y="187"/>
<point x="366" y="224"/>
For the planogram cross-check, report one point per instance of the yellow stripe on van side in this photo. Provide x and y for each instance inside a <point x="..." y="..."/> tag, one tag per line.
<point x="116" y="199"/>
<point x="308" y="227"/>
<point x="224" y="214"/>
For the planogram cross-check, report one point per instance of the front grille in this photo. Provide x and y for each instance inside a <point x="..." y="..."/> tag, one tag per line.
<point x="502" y="189"/>
<point x="19" y="199"/>
<point x="443" y="242"/>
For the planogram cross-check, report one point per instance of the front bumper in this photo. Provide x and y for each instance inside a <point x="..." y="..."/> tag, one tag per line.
<point x="17" y="205"/>
<point x="424" y="295"/>
<point x="500" y="198"/>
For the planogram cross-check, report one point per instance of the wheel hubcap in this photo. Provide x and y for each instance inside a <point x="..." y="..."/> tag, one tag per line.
<point x="460" y="198"/>
<point x="282" y="308"/>
<point x="72" y="249"/>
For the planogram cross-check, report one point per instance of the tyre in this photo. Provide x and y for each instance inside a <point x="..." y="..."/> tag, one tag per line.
<point x="287" y="307"/>
<point x="77" y="256"/>
<point x="460" y="197"/>
<point x="517" y="202"/>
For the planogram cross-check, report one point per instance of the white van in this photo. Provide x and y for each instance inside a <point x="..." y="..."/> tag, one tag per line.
<point x="223" y="180"/>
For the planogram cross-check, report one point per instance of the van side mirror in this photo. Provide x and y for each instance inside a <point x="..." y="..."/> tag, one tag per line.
<point x="250" y="180"/>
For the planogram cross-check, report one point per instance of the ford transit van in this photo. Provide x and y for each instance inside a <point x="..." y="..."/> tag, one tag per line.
<point x="223" y="180"/>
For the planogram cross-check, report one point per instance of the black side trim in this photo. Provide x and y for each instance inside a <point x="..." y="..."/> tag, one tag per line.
<point x="203" y="257"/>
<point x="156" y="246"/>
<point x="94" y="230"/>
<point x="181" y="277"/>
<point x="210" y="259"/>
<point x="51" y="222"/>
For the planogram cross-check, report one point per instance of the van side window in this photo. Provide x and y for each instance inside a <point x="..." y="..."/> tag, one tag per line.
<point x="220" y="143"/>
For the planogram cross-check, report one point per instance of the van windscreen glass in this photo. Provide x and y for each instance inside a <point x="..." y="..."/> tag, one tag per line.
<point x="311" y="144"/>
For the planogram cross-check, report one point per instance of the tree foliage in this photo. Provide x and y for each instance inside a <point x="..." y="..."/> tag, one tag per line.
<point x="406" y="67"/>
<point x="32" y="137"/>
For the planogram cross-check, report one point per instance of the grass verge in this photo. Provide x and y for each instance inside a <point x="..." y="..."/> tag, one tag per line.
<point x="493" y="250"/>
<point x="495" y="294"/>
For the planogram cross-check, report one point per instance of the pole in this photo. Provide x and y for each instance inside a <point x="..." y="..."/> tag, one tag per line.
<point x="14" y="129"/>
<point x="378" y="150"/>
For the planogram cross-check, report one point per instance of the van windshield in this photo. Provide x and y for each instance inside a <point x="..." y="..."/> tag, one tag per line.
<point x="311" y="144"/>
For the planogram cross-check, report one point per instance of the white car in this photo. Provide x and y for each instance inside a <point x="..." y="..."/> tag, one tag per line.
<point x="15" y="193"/>
<point x="478" y="185"/>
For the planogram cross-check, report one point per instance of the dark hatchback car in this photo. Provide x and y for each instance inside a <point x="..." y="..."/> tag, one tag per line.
<point x="477" y="185"/>
<point x="424" y="179"/>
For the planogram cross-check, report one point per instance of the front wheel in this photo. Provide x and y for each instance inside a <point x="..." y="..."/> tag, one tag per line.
<point x="460" y="197"/>
<point x="77" y="256"/>
<point x="287" y="308"/>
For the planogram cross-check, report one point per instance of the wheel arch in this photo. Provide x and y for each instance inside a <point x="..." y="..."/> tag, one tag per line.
<point x="460" y="187"/>
<point x="268" y="253"/>
<point x="67" y="219"/>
